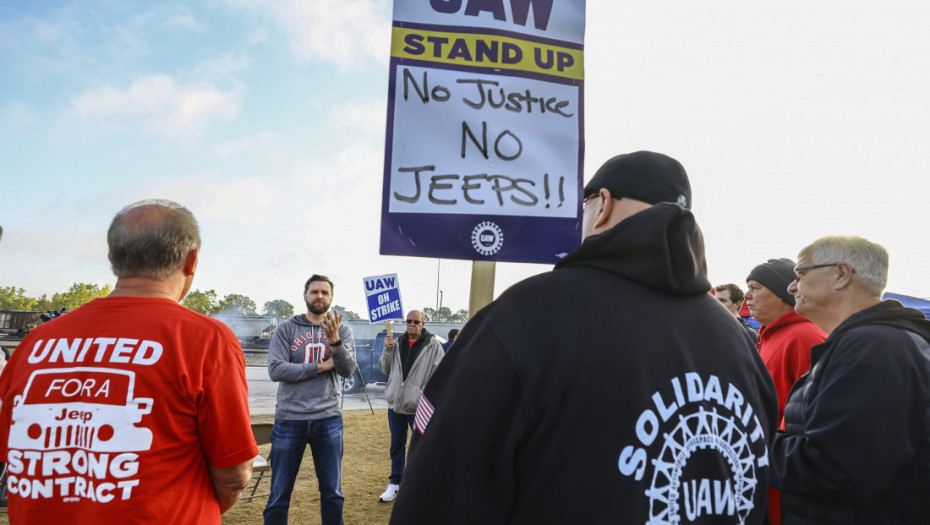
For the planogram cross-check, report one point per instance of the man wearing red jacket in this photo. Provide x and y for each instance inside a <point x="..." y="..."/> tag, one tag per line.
<point x="785" y="338"/>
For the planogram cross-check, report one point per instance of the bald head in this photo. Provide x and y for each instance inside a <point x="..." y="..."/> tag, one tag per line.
<point x="151" y="239"/>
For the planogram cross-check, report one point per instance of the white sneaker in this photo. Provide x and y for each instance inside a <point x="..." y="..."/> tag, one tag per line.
<point x="390" y="493"/>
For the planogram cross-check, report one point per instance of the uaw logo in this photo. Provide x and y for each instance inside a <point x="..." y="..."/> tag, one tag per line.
<point x="487" y="238"/>
<point x="707" y="444"/>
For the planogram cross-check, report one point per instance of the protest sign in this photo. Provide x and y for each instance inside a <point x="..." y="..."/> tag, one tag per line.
<point x="484" y="149"/>
<point x="383" y="295"/>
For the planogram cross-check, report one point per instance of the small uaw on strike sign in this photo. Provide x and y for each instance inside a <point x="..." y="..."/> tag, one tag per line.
<point x="383" y="295"/>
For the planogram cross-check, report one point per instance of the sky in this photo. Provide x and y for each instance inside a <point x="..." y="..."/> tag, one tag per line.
<point x="266" y="118"/>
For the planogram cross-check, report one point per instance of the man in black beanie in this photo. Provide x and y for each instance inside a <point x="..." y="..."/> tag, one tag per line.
<point x="609" y="390"/>
<point x="785" y="338"/>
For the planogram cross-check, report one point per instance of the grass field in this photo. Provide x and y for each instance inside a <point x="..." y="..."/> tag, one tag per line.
<point x="365" y="470"/>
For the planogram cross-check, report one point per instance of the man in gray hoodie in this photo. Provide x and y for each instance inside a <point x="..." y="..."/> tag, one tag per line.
<point x="409" y="364"/>
<point x="306" y="353"/>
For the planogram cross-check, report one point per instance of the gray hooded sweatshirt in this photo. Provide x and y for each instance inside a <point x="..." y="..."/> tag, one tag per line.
<point x="296" y="348"/>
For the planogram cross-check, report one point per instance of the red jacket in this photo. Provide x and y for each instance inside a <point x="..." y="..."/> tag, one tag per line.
<point x="785" y="347"/>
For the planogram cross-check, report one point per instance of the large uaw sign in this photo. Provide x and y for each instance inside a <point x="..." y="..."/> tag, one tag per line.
<point x="485" y="130"/>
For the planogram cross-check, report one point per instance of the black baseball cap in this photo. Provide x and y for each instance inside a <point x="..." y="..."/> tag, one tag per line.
<point x="645" y="176"/>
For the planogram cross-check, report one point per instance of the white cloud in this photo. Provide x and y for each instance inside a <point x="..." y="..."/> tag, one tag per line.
<point x="129" y="37"/>
<point x="40" y="47"/>
<point x="258" y="35"/>
<point x="17" y="115"/>
<point x="183" y="18"/>
<point x="244" y="145"/>
<point x="347" y="32"/>
<point x="221" y="67"/>
<point x="197" y="105"/>
<point x="354" y="115"/>
<point x="160" y="104"/>
<point x="241" y="201"/>
<point x="363" y="122"/>
<point x="791" y="127"/>
<point x="150" y="94"/>
<point x="265" y="230"/>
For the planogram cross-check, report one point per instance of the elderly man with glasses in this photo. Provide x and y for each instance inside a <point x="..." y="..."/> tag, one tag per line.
<point x="856" y="449"/>
<point x="408" y="369"/>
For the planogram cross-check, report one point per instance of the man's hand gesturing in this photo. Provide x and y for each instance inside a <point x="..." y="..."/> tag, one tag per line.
<point x="331" y="323"/>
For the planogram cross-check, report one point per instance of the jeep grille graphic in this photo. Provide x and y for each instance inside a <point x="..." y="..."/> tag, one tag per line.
<point x="69" y="436"/>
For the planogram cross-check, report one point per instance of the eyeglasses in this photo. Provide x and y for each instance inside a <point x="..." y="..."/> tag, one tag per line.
<point x="412" y="321"/>
<point x="584" y="201"/>
<point x="797" y="276"/>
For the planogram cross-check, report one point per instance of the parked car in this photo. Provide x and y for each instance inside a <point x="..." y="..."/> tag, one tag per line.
<point x="367" y="357"/>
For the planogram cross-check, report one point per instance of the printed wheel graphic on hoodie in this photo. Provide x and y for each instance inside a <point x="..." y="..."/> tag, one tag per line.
<point x="702" y="432"/>
<point x="87" y="408"/>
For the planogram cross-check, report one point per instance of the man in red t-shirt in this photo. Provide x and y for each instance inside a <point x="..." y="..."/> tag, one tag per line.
<point x="131" y="408"/>
<point x="785" y="338"/>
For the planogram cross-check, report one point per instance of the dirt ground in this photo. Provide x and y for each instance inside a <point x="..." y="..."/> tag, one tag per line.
<point x="365" y="470"/>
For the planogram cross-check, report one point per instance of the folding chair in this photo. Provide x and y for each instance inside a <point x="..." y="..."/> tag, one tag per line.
<point x="261" y="469"/>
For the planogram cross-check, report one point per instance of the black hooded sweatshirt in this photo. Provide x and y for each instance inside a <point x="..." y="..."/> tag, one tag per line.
<point x="613" y="389"/>
<point x="857" y="449"/>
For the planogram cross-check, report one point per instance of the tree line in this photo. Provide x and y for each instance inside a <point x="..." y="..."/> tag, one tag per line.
<point x="445" y="314"/>
<point x="13" y="298"/>
<point x="206" y="302"/>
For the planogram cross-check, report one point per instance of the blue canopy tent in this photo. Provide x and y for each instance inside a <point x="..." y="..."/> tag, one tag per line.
<point x="912" y="302"/>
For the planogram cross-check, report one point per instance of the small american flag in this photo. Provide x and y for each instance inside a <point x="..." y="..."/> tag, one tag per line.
<point x="424" y="413"/>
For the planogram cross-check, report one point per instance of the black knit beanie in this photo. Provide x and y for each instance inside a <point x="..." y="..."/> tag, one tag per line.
<point x="776" y="275"/>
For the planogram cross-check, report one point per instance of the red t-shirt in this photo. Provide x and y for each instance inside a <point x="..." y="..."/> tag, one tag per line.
<point x="113" y="412"/>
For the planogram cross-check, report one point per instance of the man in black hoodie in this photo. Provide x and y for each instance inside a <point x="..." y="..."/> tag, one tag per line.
<point x="610" y="390"/>
<point x="856" y="449"/>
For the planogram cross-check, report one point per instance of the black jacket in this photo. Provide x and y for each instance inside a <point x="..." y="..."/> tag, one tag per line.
<point x="856" y="450"/>
<point x="408" y="354"/>
<point x="595" y="392"/>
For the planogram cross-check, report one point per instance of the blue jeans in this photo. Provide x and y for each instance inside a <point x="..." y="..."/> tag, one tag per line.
<point x="289" y="439"/>
<point x="398" y="424"/>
